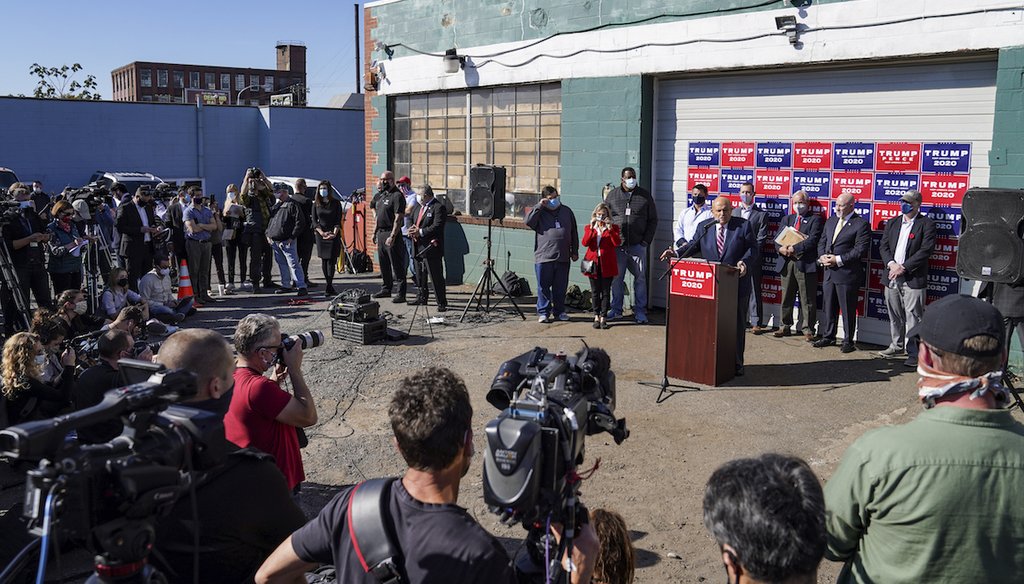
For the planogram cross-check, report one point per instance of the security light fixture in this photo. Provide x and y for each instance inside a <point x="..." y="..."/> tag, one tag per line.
<point x="788" y="25"/>
<point x="453" y="61"/>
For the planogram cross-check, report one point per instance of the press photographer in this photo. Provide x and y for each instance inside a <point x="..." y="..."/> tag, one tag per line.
<point x="112" y="346"/>
<point x="26" y="396"/>
<point x="257" y="198"/>
<point x="262" y="414"/>
<point x="436" y="540"/>
<point x="25" y="237"/>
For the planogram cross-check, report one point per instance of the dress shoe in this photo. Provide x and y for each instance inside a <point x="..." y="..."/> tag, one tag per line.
<point x="303" y="292"/>
<point x="910" y="362"/>
<point x="271" y="285"/>
<point x="400" y="299"/>
<point x="823" y="343"/>
<point x="740" y="371"/>
<point x="782" y="332"/>
<point x="442" y="308"/>
<point x="759" y="330"/>
<point x="417" y="302"/>
<point x="382" y="294"/>
<point x="330" y="291"/>
<point x="281" y="290"/>
<point x="597" y="324"/>
<point x="810" y="337"/>
<point x="848" y="348"/>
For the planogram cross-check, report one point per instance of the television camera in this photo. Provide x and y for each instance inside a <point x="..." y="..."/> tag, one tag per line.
<point x="549" y="404"/>
<point x="109" y="496"/>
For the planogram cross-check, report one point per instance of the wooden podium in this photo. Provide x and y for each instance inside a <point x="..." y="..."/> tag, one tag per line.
<point x="700" y="328"/>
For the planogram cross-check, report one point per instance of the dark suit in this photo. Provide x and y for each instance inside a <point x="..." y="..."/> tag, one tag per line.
<point x="841" y="283"/>
<point x="136" y="251"/>
<point x="800" y="271"/>
<point x="428" y="248"/>
<point x="905" y="298"/>
<point x="759" y="225"/>
<point x="740" y="244"/>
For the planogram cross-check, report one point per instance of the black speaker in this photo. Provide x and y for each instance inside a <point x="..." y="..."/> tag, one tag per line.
<point x="991" y="247"/>
<point x="487" y="191"/>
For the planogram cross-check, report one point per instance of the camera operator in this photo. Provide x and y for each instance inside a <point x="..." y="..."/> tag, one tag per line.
<point x="243" y="506"/>
<point x="41" y="199"/>
<point x="25" y="239"/>
<point x="113" y="345"/>
<point x="71" y="313"/>
<point x="257" y="197"/>
<point x="27" y="397"/>
<point x="439" y="541"/>
<point x="262" y="414"/>
<point x="137" y="224"/>
<point x="50" y="332"/>
<point x="287" y="224"/>
<point x="65" y="248"/>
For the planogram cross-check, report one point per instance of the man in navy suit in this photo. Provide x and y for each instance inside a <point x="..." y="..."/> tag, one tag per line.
<point x="907" y="242"/>
<point x="428" y="217"/>
<point x="845" y="240"/>
<point x="758" y="219"/>
<point x="730" y="241"/>
<point x="798" y="267"/>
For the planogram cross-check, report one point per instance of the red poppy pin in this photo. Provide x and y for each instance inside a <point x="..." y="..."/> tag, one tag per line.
<point x="911" y="236"/>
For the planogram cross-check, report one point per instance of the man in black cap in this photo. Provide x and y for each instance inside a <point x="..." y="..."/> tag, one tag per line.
<point x="937" y="499"/>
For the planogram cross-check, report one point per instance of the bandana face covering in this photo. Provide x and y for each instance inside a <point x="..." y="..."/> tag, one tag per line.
<point x="934" y="384"/>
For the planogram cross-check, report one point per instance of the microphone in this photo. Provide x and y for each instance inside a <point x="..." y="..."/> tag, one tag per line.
<point x="433" y="243"/>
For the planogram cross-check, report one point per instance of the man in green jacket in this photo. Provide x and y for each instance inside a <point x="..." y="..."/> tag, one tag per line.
<point x="938" y="499"/>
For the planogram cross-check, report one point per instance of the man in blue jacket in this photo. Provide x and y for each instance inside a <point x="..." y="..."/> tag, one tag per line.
<point x="730" y="241"/>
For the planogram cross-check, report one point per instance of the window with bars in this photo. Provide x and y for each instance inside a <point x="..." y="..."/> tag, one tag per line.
<point x="211" y="80"/>
<point x="161" y="77"/>
<point x="146" y="77"/>
<point x="225" y="81"/>
<point x="438" y="136"/>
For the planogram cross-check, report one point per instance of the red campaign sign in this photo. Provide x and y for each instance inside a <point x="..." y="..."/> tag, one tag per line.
<point x="704" y="176"/>
<point x="771" y="290"/>
<point x="898" y="157"/>
<point x="943" y="189"/>
<point x="944" y="254"/>
<point x="858" y="184"/>
<point x="878" y="276"/>
<point x="812" y="155"/>
<point x="738" y="154"/>
<point x="819" y="207"/>
<point x="693" y="279"/>
<point x="882" y="212"/>
<point x="862" y="299"/>
<point x="773" y="182"/>
<point x="734" y="198"/>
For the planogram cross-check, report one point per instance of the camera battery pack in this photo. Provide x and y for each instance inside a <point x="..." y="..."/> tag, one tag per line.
<point x="364" y="333"/>
<point x="355" y="312"/>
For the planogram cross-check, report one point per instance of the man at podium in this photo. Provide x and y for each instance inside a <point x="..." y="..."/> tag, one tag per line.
<point x="730" y="241"/>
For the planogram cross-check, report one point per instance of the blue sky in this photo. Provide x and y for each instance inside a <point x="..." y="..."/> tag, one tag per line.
<point x="105" y="34"/>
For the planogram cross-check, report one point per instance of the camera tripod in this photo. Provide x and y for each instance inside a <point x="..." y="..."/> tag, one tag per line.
<point x="96" y="252"/>
<point x="482" y="293"/>
<point x="9" y="280"/>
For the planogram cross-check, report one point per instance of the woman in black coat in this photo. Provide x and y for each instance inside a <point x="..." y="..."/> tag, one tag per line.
<point x="327" y="224"/>
<point x="27" y="397"/>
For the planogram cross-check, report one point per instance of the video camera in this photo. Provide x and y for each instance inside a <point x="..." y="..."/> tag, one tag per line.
<point x="10" y="211"/>
<point x="108" y="496"/>
<point x="94" y="196"/>
<point x="549" y="404"/>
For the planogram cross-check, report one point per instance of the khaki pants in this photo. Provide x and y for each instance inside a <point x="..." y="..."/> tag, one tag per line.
<point x="792" y="281"/>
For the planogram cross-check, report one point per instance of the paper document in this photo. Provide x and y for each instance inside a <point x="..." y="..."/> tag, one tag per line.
<point x="789" y="236"/>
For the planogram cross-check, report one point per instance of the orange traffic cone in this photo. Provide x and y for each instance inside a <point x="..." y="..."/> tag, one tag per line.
<point x="184" y="282"/>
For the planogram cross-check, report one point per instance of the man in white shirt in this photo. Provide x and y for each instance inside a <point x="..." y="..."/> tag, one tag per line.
<point x="155" y="288"/>
<point x="697" y="212"/>
<point x="907" y="242"/>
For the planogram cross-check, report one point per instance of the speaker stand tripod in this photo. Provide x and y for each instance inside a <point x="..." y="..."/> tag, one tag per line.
<point x="482" y="293"/>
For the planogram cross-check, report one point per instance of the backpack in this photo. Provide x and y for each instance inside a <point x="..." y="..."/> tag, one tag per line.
<point x="360" y="262"/>
<point x="513" y="283"/>
<point x="369" y="528"/>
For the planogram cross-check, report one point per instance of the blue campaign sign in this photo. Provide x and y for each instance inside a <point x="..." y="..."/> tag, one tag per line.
<point x="853" y="156"/>
<point x="704" y="153"/>
<point x="776" y="209"/>
<point x="774" y="154"/>
<point x="891" y="186"/>
<point x="730" y="180"/>
<point x="943" y="283"/>
<point x="876" y="246"/>
<point x="946" y="157"/>
<point x="947" y="220"/>
<point x="863" y="208"/>
<point x="815" y="183"/>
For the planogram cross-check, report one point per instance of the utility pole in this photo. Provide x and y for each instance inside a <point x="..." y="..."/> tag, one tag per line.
<point x="358" y="51"/>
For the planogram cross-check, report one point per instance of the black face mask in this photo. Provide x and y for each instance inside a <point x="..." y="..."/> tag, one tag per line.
<point x="123" y="282"/>
<point x="218" y="406"/>
<point x="699" y="201"/>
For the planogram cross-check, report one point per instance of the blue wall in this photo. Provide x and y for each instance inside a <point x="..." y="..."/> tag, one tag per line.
<point x="63" y="142"/>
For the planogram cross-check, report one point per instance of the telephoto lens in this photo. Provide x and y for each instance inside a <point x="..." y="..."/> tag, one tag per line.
<point x="308" y="340"/>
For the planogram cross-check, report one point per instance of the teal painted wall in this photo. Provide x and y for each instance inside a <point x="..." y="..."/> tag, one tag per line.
<point x="436" y="25"/>
<point x="1007" y="156"/>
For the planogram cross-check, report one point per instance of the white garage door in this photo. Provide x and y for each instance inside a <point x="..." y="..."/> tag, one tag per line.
<point x="920" y="102"/>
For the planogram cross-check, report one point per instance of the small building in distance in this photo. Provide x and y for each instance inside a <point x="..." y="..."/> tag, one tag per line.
<point x="215" y="85"/>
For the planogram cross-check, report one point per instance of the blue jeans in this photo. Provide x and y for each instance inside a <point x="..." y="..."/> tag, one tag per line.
<point x="287" y="257"/>
<point x="409" y="256"/>
<point x="552" y="281"/>
<point x="634" y="259"/>
<point x="157" y="310"/>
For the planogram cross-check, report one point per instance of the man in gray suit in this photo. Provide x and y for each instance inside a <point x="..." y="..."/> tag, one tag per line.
<point x="750" y="211"/>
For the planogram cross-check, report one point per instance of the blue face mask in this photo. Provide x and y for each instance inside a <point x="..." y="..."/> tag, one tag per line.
<point x="554" y="203"/>
<point x="906" y="207"/>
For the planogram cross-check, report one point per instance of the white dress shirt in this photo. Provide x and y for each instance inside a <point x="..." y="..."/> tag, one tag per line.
<point x="686" y="225"/>
<point x="145" y="222"/>
<point x="904" y="240"/>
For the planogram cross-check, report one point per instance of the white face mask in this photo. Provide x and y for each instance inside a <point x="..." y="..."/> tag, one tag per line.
<point x="420" y="199"/>
<point x="630" y="183"/>
<point x="81" y="307"/>
<point x="746" y="198"/>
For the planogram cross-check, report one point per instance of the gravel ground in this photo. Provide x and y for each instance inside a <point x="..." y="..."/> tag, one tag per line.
<point x="794" y="399"/>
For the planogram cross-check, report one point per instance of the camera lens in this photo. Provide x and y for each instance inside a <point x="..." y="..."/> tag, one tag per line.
<point x="308" y="340"/>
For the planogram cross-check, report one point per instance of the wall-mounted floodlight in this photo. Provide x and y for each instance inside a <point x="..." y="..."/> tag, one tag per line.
<point x="453" y="62"/>
<point x="788" y="25"/>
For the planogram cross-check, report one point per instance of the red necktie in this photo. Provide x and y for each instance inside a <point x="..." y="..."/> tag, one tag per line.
<point x="721" y="241"/>
<point x="423" y="210"/>
<point x="798" y="222"/>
